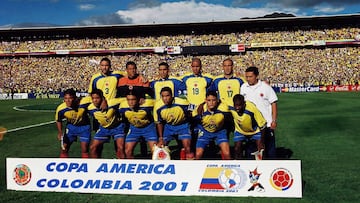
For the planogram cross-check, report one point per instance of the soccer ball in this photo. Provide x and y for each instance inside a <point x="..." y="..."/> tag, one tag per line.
<point x="281" y="179"/>
<point x="229" y="179"/>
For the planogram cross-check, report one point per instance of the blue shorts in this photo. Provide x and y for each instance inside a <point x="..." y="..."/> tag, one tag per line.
<point x="182" y="131"/>
<point x="72" y="132"/>
<point x="148" y="132"/>
<point x="204" y="138"/>
<point x="240" y="137"/>
<point x="105" y="134"/>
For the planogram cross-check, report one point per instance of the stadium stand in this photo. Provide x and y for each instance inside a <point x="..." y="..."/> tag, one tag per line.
<point x="289" y="51"/>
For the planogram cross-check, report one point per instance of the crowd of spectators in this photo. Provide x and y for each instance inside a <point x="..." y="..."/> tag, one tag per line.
<point x="280" y="67"/>
<point x="299" y="36"/>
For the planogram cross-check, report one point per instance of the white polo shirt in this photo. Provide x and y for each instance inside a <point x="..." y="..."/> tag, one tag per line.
<point x="262" y="95"/>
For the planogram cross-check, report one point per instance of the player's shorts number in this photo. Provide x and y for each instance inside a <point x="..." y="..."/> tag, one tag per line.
<point x="159" y="185"/>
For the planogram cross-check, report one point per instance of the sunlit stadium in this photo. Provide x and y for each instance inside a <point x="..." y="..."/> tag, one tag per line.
<point x="312" y="63"/>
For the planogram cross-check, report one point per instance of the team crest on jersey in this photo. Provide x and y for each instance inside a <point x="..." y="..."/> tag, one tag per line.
<point x="22" y="174"/>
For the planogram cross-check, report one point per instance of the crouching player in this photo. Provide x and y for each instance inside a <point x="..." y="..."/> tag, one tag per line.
<point x="172" y="120"/>
<point x="77" y="125"/>
<point x="249" y="125"/>
<point x="210" y="118"/>
<point x="111" y="125"/>
<point x="141" y="122"/>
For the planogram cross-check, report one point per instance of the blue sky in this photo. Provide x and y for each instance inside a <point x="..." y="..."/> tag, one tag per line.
<point x="102" y="12"/>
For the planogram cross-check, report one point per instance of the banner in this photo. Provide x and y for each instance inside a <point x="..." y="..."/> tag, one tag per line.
<point x="173" y="50"/>
<point x="264" y="178"/>
<point x="237" y="48"/>
<point x="342" y="88"/>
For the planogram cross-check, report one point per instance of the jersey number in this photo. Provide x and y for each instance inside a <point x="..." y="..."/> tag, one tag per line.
<point x="195" y="91"/>
<point x="230" y="93"/>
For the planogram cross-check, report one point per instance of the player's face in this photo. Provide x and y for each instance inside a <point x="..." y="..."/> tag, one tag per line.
<point x="196" y="67"/>
<point x="239" y="106"/>
<point x="131" y="71"/>
<point x="96" y="99"/>
<point x="166" y="97"/>
<point x="211" y="102"/>
<point x="68" y="99"/>
<point x="132" y="101"/>
<point x="251" y="78"/>
<point x="163" y="72"/>
<point x="228" y="67"/>
<point x="105" y="67"/>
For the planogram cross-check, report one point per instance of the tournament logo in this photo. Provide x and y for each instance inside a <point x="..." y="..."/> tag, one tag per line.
<point x="224" y="178"/>
<point x="281" y="179"/>
<point x="22" y="174"/>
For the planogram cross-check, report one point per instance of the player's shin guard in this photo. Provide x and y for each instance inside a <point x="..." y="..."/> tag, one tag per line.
<point x="64" y="155"/>
<point x="84" y="155"/>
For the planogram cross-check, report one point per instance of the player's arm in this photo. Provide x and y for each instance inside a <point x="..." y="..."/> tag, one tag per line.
<point x="160" y="131"/>
<point x="262" y="139"/>
<point x="274" y="115"/>
<point x="59" y="128"/>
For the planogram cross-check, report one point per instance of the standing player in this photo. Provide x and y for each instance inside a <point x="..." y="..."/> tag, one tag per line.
<point x="196" y="84"/>
<point x="111" y="125"/>
<point x="76" y="126"/>
<point x="106" y="80"/>
<point x="172" y="120"/>
<point x="249" y="125"/>
<point x="227" y="85"/>
<point x="265" y="99"/>
<point x="141" y="121"/>
<point x="177" y="86"/>
<point x="211" y="118"/>
<point x="133" y="80"/>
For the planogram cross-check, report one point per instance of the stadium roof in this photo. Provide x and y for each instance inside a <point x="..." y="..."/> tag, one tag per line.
<point x="254" y="24"/>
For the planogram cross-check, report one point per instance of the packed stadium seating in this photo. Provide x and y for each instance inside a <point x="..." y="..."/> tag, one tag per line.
<point x="282" y="67"/>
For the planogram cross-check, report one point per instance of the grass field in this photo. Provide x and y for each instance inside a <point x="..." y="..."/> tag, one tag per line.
<point x="321" y="129"/>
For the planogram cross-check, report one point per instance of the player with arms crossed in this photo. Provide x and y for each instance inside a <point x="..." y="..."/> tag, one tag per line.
<point x="75" y="125"/>
<point x="172" y="120"/>
<point x="141" y="121"/>
<point x="249" y="125"/>
<point x="210" y="118"/>
<point x="111" y="125"/>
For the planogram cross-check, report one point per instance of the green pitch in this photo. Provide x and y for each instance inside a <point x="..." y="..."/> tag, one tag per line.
<point x="321" y="130"/>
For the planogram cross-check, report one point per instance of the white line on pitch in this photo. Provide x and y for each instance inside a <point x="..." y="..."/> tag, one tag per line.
<point x="26" y="127"/>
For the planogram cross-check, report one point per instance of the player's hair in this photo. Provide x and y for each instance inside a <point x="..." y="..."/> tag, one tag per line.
<point x="97" y="92"/>
<point x="107" y="60"/>
<point x="70" y="92"/>
<point x="196" y="60"/>
<point x="238" y="97"/>
<point x="166" y="89"/>
<point x="164" y="64"/>
<point x="131" y="63"/>
<point x="211" y="93"/>
<point x="253" y="69"/>
<point x="229" y="59"/>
